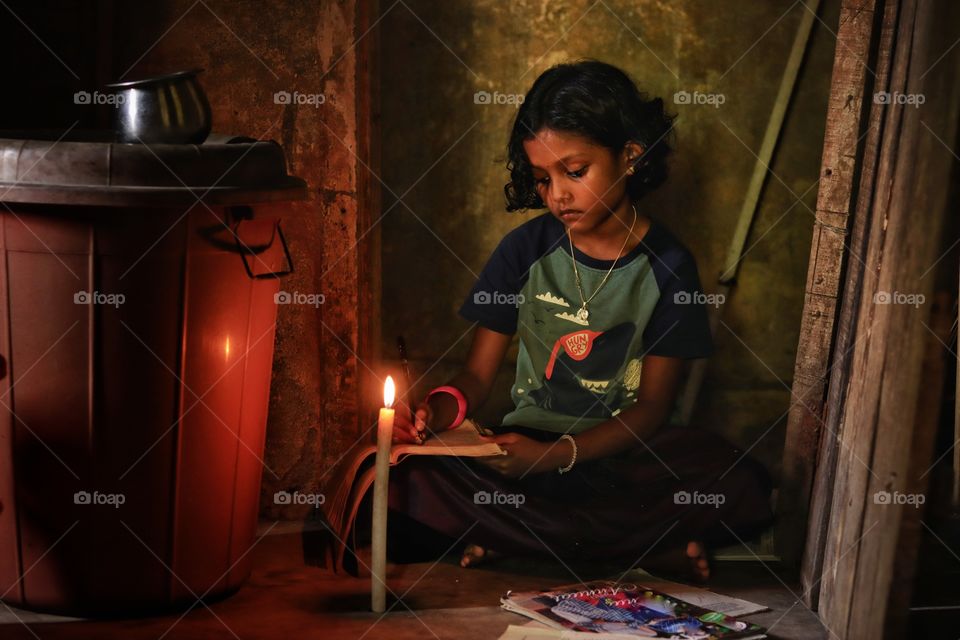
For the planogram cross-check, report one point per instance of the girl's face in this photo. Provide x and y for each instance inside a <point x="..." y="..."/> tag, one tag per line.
<point x="581" y="182"/>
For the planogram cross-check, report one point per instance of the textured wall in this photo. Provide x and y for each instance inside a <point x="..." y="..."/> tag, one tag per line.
<point x="443" y="154"/>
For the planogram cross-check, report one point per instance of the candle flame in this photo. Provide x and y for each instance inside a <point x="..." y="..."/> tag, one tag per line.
<point x="389" y="391"/>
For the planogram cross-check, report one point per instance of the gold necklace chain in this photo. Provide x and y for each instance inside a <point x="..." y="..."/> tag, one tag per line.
<point x="582" y="313"/>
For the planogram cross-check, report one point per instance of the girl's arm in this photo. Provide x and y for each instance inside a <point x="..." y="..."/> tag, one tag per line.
<point x="487" y="351"/>
<point x="659" y="385"/>
<point x="475" y="381"/>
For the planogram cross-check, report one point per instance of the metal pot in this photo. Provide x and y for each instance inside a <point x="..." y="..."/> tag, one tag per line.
<point x="168" y="109"/>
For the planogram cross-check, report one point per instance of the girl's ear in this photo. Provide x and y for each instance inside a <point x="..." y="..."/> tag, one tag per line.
<point x="632" y="153"/>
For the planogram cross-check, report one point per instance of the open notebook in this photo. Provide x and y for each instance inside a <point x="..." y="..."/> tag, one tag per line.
<point x="353" y="477"/>
<point x="463" y="441"/>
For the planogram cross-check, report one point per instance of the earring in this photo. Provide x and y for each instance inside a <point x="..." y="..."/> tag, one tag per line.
<point x="630" y="171"/>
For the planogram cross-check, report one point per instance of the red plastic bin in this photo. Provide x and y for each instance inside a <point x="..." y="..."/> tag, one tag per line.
<point x="136" y="343"/>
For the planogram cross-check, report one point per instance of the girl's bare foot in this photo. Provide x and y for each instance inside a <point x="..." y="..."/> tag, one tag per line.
<point x="474" y="554"/>
<point x="699" y="564"/>
<point x="690" y="563"/>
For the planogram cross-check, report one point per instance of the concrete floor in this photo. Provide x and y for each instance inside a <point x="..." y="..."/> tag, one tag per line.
<point x="286" y="598"/>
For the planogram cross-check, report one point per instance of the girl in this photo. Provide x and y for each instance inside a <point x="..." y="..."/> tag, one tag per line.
<point x="607" y="306"/>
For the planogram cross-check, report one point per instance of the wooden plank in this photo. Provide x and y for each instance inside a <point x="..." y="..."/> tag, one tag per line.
<point x="845" y="108"/>
<point x="878" y="429"/>
<point x="911" y="249"/>
<point x="812" y="562"/>
<point x="848" y="496"/>
<point x="856" y="37"/>
<point x="921" y="452"/>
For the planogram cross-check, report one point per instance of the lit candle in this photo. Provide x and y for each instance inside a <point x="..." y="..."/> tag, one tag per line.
<point x="378" y="592"/>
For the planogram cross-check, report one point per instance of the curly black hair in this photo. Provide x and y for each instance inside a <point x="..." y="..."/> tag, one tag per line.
<point x="600" y="102"/>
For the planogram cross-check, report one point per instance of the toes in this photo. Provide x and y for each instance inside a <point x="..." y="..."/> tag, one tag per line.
<point x="698" y="557"/>
<point x="474" y="554"/>
<point x="703" y="567"/>
<point x="471" y="554"/>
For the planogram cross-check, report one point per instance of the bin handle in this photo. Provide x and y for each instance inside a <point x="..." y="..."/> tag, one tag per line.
<point x="245" y="250"/>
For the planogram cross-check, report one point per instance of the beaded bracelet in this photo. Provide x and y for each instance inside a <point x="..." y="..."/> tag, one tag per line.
<point x="573" y="442"/>
<point x="461" y="402"/>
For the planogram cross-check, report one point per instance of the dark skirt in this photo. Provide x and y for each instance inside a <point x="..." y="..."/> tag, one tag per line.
<point x="685" y="484"/>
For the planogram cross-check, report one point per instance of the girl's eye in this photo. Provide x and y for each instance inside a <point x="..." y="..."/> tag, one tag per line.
<point x="573" y="174"/>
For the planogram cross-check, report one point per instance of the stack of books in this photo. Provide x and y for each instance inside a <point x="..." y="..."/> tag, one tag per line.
<point x="631" y="609"/>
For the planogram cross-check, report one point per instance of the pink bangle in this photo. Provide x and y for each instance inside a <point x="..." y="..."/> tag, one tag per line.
<point x="461" y="403"/>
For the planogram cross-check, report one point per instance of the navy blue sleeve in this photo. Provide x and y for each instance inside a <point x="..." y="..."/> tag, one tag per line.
<point x="679" y="326"/>
<point x="494" y="300"/>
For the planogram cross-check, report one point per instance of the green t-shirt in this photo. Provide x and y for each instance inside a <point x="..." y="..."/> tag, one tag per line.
<point x="575" y="372"/>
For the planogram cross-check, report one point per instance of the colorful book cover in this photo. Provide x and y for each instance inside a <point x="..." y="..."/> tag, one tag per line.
<point x="604" y="606"/>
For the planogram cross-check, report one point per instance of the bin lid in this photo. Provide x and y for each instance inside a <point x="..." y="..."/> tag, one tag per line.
<point x="90" y="168"/>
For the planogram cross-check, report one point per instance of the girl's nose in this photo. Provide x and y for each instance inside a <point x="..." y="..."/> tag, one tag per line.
<point x="559" y="195"/>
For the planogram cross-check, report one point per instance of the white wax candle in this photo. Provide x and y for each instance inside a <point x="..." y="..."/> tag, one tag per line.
<point x="378" y="589"/>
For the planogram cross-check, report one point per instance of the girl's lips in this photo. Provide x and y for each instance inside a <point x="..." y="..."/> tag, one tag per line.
<point x="572" y="215"/>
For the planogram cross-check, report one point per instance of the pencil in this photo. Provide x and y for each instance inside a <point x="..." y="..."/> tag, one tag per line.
<point x="405" y="367"/>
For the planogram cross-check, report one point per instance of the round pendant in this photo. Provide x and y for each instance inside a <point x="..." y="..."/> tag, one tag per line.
<point x="582" y="313"/>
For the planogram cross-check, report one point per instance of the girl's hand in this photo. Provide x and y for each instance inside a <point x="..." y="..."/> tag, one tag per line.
<point x="412" y="428"/>
<point x="524" y="455"/>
